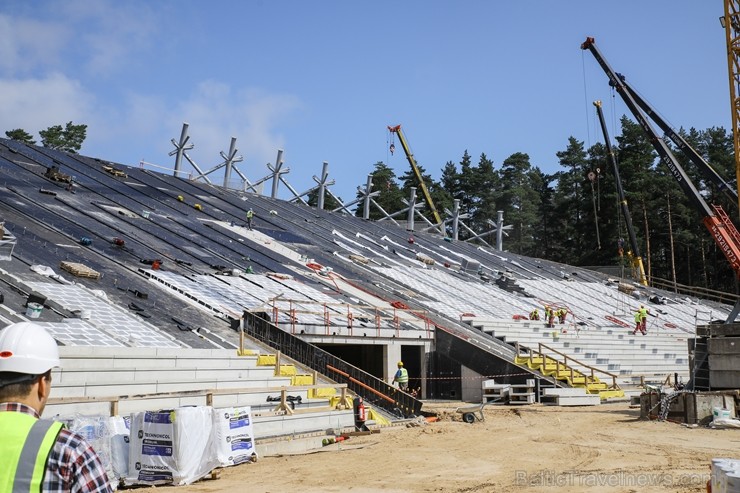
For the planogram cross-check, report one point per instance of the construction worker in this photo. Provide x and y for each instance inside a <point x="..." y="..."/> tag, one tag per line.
<point x="562" y="313"/>
<point x="644" y="312"/>
<point x="638" y="323"/>
<point x="402" y="377"/>
<point x="550" y="316"/>
<point x="250" y="216"/>
<point x="534" y="314"/>
<point x="38" y="455"/>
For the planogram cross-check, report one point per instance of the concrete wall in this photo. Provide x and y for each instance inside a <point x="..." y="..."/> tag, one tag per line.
<point x="724" y="362"/>
<point x="472" y="390"/>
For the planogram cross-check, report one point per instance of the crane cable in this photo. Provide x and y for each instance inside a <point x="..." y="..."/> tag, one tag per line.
<point x="591" y="175"/>
<point x="621" y="220"/>
<point x="585" y="97"/>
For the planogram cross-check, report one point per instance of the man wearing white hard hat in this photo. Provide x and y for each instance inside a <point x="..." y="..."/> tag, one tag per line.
<point x="38" y="454"/>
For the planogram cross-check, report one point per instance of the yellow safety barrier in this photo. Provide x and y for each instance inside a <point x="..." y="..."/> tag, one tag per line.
<point x="266" y="360"/>
<point x="377" y="417"/>
<point x="324" y="392"/>
<point x="336" y="400"/>
<point x="302" y="379"/>
<point x="287" y="371"/>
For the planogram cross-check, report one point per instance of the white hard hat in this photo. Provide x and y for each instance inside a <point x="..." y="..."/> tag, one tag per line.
<point x="26" y="347"/>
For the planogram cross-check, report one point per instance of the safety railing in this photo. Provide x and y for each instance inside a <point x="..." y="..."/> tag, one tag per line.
<point x="286" y="312"/>
<point x="373" y="390"/>
<point x="565" y="363"/>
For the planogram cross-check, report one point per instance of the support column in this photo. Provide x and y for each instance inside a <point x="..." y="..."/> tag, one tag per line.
<point x="180" y="148"/>
<point x="322" y="185"/>
<point x="412" y="209"/>
<point x="277" y="170"/>
<point x="392" y="357"/>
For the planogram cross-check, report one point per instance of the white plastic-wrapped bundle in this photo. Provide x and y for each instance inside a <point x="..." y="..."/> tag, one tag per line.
<point x="96" y="431"/>
<point x="171" y="447"/>
<point x="233" y="435"/>
<point x="119" y="447"/>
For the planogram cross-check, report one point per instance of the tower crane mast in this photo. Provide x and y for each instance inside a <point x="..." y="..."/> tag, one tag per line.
<point x="731" y="23"/>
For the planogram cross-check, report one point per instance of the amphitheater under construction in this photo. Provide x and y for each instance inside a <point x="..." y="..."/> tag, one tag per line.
<point x="161" y="298"/>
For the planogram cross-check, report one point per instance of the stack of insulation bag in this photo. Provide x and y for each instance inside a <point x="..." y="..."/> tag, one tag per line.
<point x="173" y="447"/>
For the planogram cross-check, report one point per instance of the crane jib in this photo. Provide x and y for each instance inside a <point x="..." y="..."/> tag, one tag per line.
<point x="718" y="233"/>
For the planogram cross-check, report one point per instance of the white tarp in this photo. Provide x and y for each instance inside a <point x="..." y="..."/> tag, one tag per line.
<point x="234" y="438"/>
<point x="171" y="447"/>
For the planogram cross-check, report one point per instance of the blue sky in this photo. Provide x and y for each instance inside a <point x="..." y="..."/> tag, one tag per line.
<point x="323" y="79"/>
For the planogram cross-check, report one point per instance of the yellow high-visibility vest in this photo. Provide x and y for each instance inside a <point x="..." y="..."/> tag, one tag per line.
<point x="25" y="446"/>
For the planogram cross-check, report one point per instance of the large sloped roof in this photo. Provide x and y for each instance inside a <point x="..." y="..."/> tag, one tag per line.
<point x="200" y="248"/>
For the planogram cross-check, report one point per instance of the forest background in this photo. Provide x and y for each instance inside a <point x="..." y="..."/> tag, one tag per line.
<point x="572" y="216"/>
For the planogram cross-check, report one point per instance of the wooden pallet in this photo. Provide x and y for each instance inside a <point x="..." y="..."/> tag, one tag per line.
<point x="115" y="171"/>
<point x="79" y="270"/>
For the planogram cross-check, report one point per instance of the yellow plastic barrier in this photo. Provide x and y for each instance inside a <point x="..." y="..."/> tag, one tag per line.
<point x="303" y="379"/>
<point x="287" y="371"/>
<point x="377" y="417"/>
<point x="325" y="392"/>
<point x="266" y="360"/>
<point x="247" y="352"/>
<point x="336" y="400"/>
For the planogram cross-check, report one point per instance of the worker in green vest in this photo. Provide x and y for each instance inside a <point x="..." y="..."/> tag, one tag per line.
<point x="644" y="312"/>
<point x="38" y="455"/>
<point x="639" y="323"/>
<point x="549" y="316"/>
<point x="534" y="314"/>
<point x="402" y="377"/>
<point x="250" y="216"/>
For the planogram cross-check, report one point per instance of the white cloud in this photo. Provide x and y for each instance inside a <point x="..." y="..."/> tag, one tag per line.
<point x="100" y="36"/>
<point x="216" y="113"/>
<point x="113" y="32"/>
<point x="26" y="44"/>
<point x="36" y="104"/>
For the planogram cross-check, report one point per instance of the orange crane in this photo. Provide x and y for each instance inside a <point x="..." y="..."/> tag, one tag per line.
<point x="424" y="190"/>
<point x="713" y="216"/>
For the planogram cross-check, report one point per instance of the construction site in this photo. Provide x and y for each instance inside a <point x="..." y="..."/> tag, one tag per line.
<point x="222" y="339"/>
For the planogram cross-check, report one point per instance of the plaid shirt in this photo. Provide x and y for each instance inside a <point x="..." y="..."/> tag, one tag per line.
<point x="73" y="465"/>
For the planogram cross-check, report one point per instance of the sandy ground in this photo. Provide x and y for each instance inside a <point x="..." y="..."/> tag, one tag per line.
<point x="531" y="448"/>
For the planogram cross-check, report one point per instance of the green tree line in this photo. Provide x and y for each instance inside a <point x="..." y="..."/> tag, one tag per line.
<point x="67" y="138"/>
<point x="573" y="215"/>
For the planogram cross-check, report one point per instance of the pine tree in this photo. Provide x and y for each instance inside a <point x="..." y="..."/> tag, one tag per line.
<point x="20" y="135"/>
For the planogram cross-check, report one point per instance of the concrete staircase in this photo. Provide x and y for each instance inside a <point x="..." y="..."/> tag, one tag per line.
<point x="564" y="372"/>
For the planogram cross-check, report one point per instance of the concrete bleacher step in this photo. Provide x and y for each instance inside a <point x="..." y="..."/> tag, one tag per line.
<point x="570" y="397"/>
<point x="573" y="377"/>
<point x="140" y="379"/>
<point x="523" y="393"/>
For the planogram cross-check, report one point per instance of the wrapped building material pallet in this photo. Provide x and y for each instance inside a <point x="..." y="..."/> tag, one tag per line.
<point x="171" y="447"/>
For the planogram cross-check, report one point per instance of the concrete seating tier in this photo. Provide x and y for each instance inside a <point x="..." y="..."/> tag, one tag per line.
<point x="653" y="356"/>
<point x="91" y="375"/>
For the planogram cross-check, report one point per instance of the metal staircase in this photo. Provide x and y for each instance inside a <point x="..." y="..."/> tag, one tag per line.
<point x="373" y="390"/>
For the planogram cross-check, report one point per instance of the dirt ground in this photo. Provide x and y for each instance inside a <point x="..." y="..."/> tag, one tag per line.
<point x="533" y="448"/>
